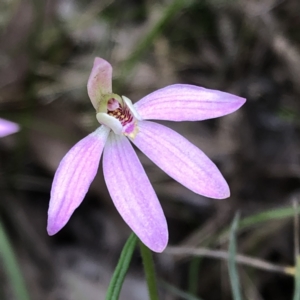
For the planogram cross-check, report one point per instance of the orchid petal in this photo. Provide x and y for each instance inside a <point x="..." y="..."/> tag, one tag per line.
<point x="181" y="160"/>
<point x="8" y="127"/>
<point x="73" y="177"/>
<point x="111" y="122"/>
<point x="184" y="102"/>
<point x="100" y="81"/>
<point x="132" y="193"/>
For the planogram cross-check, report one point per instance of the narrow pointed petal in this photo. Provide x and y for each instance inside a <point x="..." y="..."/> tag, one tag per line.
<point x="184" y="102"/>
<point x="8" y="127"/>
<point x="133" y="194"/>
<point x="181" y="160"/>
<point x="73" y="177"/>
<point x="100" y="81"/>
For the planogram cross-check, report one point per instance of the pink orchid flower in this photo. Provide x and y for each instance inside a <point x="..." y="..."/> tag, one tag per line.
<point x="8" y="127"/>
<point x="129" y="187"/>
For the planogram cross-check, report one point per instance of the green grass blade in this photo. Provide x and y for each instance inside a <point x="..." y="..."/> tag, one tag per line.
<point x="11" y="266"/>
<point x="297" y="281"/>
<point x="269" y="215"/>
<point x="118" y="277"/>
<point x="149" y="271"/>
<point x="232" y="268"/>
<point x="273" y="214"/>
<point x="193" y="273"/>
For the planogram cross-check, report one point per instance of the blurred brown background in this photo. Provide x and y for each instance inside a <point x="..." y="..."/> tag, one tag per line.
<point x="247" y="47"/>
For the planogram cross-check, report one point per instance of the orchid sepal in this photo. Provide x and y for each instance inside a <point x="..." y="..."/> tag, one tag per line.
<point x="184" y="102"/>
<point x="73" y="177"/>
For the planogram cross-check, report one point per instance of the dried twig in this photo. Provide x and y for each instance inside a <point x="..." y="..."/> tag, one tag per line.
<point x="242" y="259"/>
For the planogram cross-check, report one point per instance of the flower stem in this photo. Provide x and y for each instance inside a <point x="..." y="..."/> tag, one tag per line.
<point x="118" y="277"/>
<point x="149" y="271"/>
<point x="11" y="266"/>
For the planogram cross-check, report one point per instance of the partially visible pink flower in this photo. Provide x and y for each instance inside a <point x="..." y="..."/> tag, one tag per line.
<point x="122" y="123"/>
<point x="8" y="127"/>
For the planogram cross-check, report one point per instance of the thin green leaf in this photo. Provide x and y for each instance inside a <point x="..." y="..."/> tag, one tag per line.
<point x="118" y="277"/>
<point x="269" y="215"/>
<point x="233" y="273"/>
<point x="273" y="214"/>
<point x="297" y="281"/>
<point x="149" y="271"/>
<point x="11" y="267"/>
<point x="193" y="275"/>
<point x="296" y="249"/>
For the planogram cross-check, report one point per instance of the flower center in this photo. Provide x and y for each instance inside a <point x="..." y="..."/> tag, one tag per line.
<point x="120" y="115"/>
